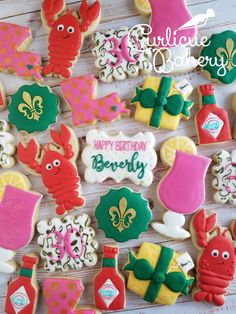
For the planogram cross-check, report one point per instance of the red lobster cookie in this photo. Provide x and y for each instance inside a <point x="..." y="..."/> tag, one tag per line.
<point x="67" y="34"/>
<point x="55" y="162"/>
<point x="217" y="260"/>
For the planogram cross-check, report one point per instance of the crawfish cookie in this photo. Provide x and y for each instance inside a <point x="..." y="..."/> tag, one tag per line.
<point x="67" y="243"/>
<point x="216" y="261"/>
<point x="123" y="214"/>
<point x="224" y="172"/>
<point x="18" y="215"/>
<point x="56" y="165"/>
<point x="119" y="157"/>
<point x="80" y="94"/>
<point x="33" y="108"/>
<point x="22" y="294"/>
<point x="7" y="147"/>
<point x="67" y="34"/>
<point x="160" y="104"/>
<point x="153" y="262"/>
<point x="13" y="58"/>
<point x="122" y="53"/>
<point x="62" y="295"/>
<point x="109" y="284"/>
<point x="212" y="122"/>
<point x="221" y="48"/>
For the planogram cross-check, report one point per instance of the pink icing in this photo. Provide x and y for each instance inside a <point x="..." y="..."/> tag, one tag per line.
<point x="182" y="190"/>
<point x="114" y="51"/>
<point x="67" y="240"/>
<point x="80" y="94"/>
<point x="17" y="211"/>
<point x="172" y="14"/>
<point x="25" y="64"/>
<point x="58" y="246"/>
<point x="125" y="50"/>
<point x="62" y="296"/>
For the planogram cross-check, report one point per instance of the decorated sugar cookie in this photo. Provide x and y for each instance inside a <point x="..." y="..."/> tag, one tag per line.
<point x="18" y="215"/>
<point x="63" y="295"/>
<point x="188" y="174"/>
<point x="222" y="48"/>
<point x="234" y="110"/>
<point x="109" y="284"/>
<point x="216" y="260"/>
<point x="80" y="94"/>
<point x="15" y="39"/>
<point x="212" y="122"/>
<point x="2" y="98"/>
<point x="158" y="274"/>
<point x="55" y="162"/>
<point x="67" y="34"/>
<point x="143" y="6"/>
<point x="7" y="147"/>
<point x="22" y="294"/>
<point x="119" y="157"/>
<point x="122" y="53"/>
<point x="123" y="214"/>
<point x="160" y="104"/>
<point x="170" y="146"/>
<point x="33" y="108"/>
<point x="224" y="172"/>
<point x="67" y="243"/>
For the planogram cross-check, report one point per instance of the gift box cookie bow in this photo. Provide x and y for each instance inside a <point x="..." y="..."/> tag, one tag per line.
<point x="143" y="270"/>
<point x="160" y="101"/>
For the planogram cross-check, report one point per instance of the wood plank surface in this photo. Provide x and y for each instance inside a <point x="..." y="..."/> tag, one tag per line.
<point x="116" y="14"/>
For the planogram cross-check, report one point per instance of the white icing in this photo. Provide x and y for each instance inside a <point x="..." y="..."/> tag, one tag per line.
<point x="109" y="148"/>
<point x="172" y="227"/>
<point x="184" y="87"/>
<point x="7" y="149"/>
<point x="213" y="125"/>
<point x="185" y="262"/>
<point x="19" y="299"/>
<point x="7" y="264"/>
<point x="108" y="292"/>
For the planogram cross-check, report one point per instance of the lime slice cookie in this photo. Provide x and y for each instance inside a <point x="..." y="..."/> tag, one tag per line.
<point x="143" y="6"/>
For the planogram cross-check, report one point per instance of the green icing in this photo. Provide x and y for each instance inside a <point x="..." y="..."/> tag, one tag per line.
<point x="221" y="46"/>
<point x="109" y="262"/>
<point x="33" y="108"/>
<point x="208" y="100"/>
<point x="123" y="214"/>
<point x="143" y="270"/>
<point x="25" y="272"/>
<point x="160" y="102"/>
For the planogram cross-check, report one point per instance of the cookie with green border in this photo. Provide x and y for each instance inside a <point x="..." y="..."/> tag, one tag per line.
<point x="33" y="108"/>
<point x="221" y="50"/>
<point x="123" y="214"/>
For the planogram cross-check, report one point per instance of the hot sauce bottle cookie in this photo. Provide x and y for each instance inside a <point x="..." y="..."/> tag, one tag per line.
<point x="162" y="103"/>
<point x="18" y="215"/>
<point x="222" y="48"/>
<point x="15" y="39"/>
<point x="119" y="157"/>
<point x="80" y="94"/>
<point x="122" y="53"/>
<point x="67" y="243"/>
<point x="33" y="108"/>
<point x="55" y="163"/>
<point x="63" y="295"/>
<point x="224" y="172"/>
<point x="7" y="147"/>
<point x="216" y="260"/>
<point x="158" y="274"/>
<point x="22" y="294"/>
<point x="67" y="34"/>
<point x="123" y="214"/>
<point x="212" y="122"/>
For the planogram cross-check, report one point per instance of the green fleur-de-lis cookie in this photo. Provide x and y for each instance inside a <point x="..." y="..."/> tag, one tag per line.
<point x="33" y="108"/>
<point x="123" y="214"/>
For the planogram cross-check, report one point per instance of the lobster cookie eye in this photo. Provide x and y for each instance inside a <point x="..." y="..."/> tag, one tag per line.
<point x="56" y="162"/>
<point x="48" y="166"/>
<point x="225" y="255"/>
<point x="60" y="27"/>
<point x="70" y="29"/>
<point x="215" y="253"/>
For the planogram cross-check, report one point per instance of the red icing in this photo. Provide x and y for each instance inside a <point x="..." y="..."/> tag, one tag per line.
<point x="51" y="8"/>
<point x="203" y="135"/>
<point x="65" y="38"/>
<point x="25" y="281"/>
<point x="59" y="173"/>
<point x="216" y="265"/>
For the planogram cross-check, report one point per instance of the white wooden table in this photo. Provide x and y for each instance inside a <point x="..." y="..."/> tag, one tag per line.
<point x="116" y="14"/>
